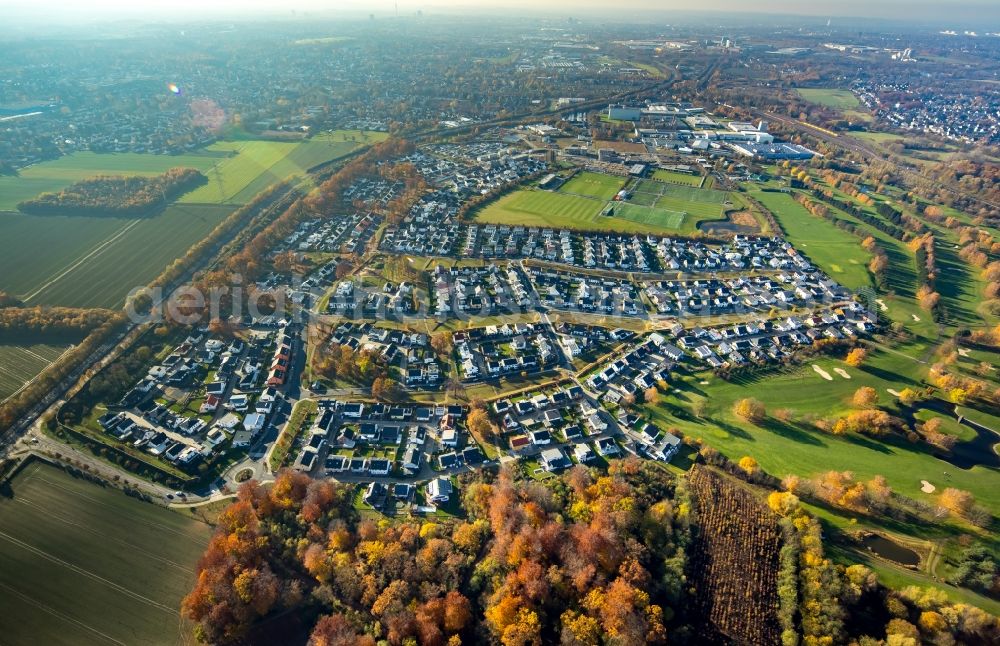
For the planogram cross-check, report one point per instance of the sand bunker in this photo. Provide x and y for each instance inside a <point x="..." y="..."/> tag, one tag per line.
<point x="881" y="304"/>
<point x="927" y="487"/>
<point x="842" y="373"/>
<point x="822" y="373"/>
<point x="916" y="319"/>
<point x="894" y="393"/>
<point x="963" y="352"/>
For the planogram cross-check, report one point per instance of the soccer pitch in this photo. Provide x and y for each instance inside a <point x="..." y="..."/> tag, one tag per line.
<point x="596" y="185"/>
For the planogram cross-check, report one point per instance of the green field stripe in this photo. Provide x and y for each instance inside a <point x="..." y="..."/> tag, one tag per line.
<point x="92" y="253"/>
<point x="66" y="521"/>
<point x="83" y="572"/>
<point x="59" y="615"/>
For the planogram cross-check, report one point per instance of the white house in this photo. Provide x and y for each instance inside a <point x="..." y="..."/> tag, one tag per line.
<point x="439" y="490"/>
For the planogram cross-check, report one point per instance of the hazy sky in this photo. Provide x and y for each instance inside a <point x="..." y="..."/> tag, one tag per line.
<point x="948" y="12"/>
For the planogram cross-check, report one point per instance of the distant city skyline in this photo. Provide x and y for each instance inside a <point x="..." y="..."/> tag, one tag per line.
<point x="948" y="14"/>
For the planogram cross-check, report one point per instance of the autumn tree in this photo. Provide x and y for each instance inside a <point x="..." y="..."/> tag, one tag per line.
<point x="864" y="397"/>
<point x="749" y="465"/>
<point x="442" y="343"/>
<point x="783" y="503"/>
<point x="908" y="396"/>
<point x="750" y="410"/>
<point x="956" y="501"/>
<point x="336" y="630"/>
<point x="386" y="389"/>
<point x="856" y="357"/>
<point x="480" y="425"/>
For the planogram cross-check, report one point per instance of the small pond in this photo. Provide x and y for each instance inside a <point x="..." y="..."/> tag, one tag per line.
<point x="726" y="227"/>
<point x="891" y="550"/>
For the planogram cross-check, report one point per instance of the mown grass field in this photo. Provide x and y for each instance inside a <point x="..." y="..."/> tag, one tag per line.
<point x="654" y="207"/>
<point x="677" y="178"/>
<point x="596" y="185"/>
<point x="94" y="262"/>
<point x="82" y="564"/>
<point x="21" y="363"/>
<point x="544" y="209"/>
<point x="830" y="98"/>
<point x="701" y="204"/>
<point x="662" y="218"/>
<point x="799" y="447"/>
<point x="836" y="252"/>
<point x="560" y="210"/>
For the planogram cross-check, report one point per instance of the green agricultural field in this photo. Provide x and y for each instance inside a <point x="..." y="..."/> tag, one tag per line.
<point x="677" y="178"/>
<point x="85" y="564"/>
<point x="830" y="98"/>
<point x="836" y="252"/>
<point x="83" y="257"/>
<point x="247" y="161"/>
<point x="58" y="174"/>
<point x="596" y="185"/>
<point x="21" y="363"/>
<point x="236" y="170"/>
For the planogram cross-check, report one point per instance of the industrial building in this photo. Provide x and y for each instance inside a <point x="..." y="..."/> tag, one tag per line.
<point x="772" y="151"/>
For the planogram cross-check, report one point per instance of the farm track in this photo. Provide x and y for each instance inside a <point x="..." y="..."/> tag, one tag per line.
<point x="95" y="252"/>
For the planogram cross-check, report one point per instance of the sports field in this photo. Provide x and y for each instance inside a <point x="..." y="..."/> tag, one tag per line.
<point x="83" y="564"/>
<point x="661" y="218"/>
<point x="543" y="209"/>
<point x="596" y="185"/>
<point x="560" y="210"/>
<point x="830" y="98"/>
<point x="654" y="207"/>
<point x="21" y="363"/>
<point x="677" y="178"/>
<point x="701" y="204"/>
<point x="78" y="261"/>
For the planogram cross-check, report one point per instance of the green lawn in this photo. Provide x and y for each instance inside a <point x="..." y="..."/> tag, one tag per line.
<point x="702" y="204"/>
<point x="247" y="161"/>
<point x="596" y="185"/>
<point x="836" y="252"/>
<point x="803" y="449"/>
<point x="560" y="210"/>
<point x="830" y="98"/>
<point x="543" y="209"/>
<point x="677" y="178"/>
<point x="77" y="261"/>
<point x="21" y="363"/>
<point x="661" y="218"/>
<point x="85" y="564"/>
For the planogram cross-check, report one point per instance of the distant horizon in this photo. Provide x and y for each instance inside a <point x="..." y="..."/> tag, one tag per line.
<point x="968" y="15"/>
